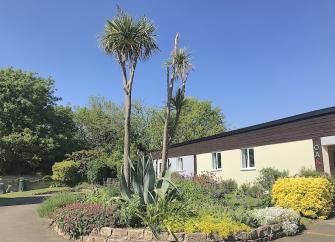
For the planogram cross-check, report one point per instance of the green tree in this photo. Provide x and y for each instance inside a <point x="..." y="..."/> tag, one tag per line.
<point x="198" y="119"/>
<point x="129" y="41"/>
<point x="34" y="132"/>
<point x="100" y="123"/>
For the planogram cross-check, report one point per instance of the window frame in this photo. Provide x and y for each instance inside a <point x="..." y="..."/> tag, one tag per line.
<point x="218" y="168"/>
<point x="248" y="167"/>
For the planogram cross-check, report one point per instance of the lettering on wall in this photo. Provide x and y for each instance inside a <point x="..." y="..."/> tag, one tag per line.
<point x="318" y="158"/>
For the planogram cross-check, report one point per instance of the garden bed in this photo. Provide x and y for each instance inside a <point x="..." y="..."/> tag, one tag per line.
<point x="263" y="233"/>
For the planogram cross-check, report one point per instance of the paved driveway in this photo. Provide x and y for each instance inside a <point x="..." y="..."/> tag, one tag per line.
<point x="19" y="222"/>
<point x="323" y="231"/>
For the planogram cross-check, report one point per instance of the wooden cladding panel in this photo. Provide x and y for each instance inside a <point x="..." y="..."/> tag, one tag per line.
<point x="298" y="130"/>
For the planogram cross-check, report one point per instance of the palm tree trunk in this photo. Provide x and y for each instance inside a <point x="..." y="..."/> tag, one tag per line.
<point x="166" y="138"/>
<point x="127" y="87"/>
<point x="126" y="144"/>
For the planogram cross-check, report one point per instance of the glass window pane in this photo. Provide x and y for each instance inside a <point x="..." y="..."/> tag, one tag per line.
<point x="180" y="164"/>
<point x="219" y="160"/>
<point x="244" y="158"/>
<point x="251" y="158"/>
<point x="213" y="161"/>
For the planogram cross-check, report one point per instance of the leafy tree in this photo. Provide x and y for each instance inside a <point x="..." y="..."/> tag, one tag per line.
<point x="99" y="124"/>
<point x="34" y="132"/>
<point x="198" y="119"/>
<point x="129" y="41"/>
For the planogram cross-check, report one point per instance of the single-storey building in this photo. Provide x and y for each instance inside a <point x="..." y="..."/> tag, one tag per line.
<point x="304" y="140"/>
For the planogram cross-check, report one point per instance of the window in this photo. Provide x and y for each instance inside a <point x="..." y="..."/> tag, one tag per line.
<point x="248" y="158"/>
<point x="216" y="161"/>
<point x="160" y="167"/>
<point x="180" y="164"/>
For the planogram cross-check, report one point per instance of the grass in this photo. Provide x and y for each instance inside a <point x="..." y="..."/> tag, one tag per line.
<point x="34" y="192"/>
<point x="59" y="200"/>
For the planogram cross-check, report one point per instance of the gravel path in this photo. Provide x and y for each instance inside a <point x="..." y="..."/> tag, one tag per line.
<point x="19" y="222"/>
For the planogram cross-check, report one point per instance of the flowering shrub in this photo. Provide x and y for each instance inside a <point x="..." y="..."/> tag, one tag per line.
<point x="312" y="197"/>
<point x="210" y="225"/>
<point x="288" y="218"/>
<point x="206" y="224"/>
<point x="80" y="218"/>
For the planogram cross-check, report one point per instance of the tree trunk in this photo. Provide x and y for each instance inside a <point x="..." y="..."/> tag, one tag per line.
<point x="169" y="85"/>
<point x="166" y="138"/>
<point x="127" y="87"/>
<point x="126" y="142"/>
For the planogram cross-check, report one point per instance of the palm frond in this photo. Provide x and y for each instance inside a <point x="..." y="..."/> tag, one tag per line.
<point x="129" y="39"/>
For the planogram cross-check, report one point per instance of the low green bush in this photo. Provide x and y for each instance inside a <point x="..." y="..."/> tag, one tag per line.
<point x="79" y="219"/>
<point x="98" y="171"/>
<point x="59" y="200"/>
<point x="129" y="212"/>
<point x="306" y="172"/>
<point x="65" y="173"/>
<point x="103" y="195"/>
<point x="268" y="176"/>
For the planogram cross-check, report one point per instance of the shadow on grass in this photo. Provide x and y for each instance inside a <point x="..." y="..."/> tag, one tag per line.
<point x="21" y="201"/>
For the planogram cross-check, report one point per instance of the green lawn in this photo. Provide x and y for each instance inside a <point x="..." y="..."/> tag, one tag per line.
<point x="34" y="192"/>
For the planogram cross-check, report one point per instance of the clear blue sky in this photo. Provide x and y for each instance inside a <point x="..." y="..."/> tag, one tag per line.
<point x="257" y="60"/>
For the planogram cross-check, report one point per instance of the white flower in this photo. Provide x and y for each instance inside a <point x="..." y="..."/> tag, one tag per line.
<point x="287" y="218"/>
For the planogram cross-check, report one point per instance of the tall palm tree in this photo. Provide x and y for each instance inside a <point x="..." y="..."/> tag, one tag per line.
<point x="128" y="40"/>
<point x="178" y="67"/>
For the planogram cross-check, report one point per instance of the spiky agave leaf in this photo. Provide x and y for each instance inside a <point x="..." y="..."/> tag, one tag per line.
<point x="124" y="189"/>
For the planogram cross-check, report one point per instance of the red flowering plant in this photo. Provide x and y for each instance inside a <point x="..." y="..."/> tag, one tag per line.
<point x="81" y="218"/>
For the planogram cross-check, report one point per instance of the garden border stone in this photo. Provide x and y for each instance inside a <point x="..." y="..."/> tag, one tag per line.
<point x="107" y="234"/>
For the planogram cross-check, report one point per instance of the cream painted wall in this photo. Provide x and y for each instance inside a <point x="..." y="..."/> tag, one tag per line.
<point x="291" y="156"/>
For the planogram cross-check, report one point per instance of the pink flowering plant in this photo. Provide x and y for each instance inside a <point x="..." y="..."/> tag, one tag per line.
<point x="81" y="218"/>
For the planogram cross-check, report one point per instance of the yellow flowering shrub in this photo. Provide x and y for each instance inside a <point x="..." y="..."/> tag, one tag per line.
<point x="210" y="225"/>
<point x="310" y="196"/>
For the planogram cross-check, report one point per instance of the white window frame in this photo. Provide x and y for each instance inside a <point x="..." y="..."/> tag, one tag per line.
<point x="248" y="167"/>
<point x="216" y="167"/>
<point x="182" y="164"/>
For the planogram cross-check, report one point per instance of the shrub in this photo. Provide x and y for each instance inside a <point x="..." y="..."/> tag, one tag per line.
<point x="306" y="172"/>
<point x="81" y="218"/>
<point x="84" y="157"/>
<point x="98" y="171"/>
<point x="242" y="215"/>
<point x="287" y="218"/>
<point x="210" y="225"/>
<point x="252" y="190"/>
<point x="129" y="212"/>
<point x="59" y="200"/>
<point x="65" y="172"/>
<point x="104" y="195"/>
<point x="268" y="176"/>
<point x="312" y="197"/>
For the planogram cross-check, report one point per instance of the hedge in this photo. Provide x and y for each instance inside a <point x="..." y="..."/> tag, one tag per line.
<point x="312" y="197"/>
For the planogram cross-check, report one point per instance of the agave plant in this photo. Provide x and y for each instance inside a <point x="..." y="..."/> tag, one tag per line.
<point x="145" y="183"/>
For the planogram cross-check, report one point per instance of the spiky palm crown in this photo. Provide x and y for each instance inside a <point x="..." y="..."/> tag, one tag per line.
<point x="129" y="39"/>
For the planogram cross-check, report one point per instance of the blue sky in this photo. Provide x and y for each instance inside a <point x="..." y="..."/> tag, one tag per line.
<point x="257" y="60"/>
